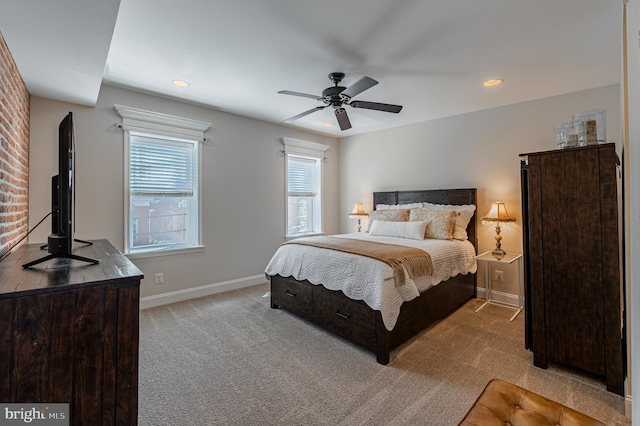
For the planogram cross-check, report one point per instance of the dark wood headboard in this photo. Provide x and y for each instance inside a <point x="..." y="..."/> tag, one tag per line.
<point x="435" y="196"/>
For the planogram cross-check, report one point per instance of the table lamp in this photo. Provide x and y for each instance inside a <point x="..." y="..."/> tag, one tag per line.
<point x="498" y="215"/>
<point x="358" y="213"/>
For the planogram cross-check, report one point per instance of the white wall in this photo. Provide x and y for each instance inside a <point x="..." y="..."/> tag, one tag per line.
<point x="475" y="150"/>
<point x="242" y="180"/>
<point x="243" y="173"/>
<point x="632" y="191"/>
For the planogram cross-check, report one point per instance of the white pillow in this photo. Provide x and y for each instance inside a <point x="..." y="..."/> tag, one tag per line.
<point x="462" y="221"/>
<point x="412" y="230"/>
<point x="398" y="206"/>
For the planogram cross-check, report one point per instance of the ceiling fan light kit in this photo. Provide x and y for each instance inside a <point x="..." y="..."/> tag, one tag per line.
<point x="337" y="96"/>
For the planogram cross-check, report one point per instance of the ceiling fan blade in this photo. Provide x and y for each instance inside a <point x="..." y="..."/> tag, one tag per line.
<point x="304" y="95"/>
<point x="358" y="87"/>
<point x="343" y="119"/>
<point x="376" y="106"/>
<point x="302" y="114"/>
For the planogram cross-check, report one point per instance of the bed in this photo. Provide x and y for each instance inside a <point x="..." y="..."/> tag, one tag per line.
<point x="352" y="318"/>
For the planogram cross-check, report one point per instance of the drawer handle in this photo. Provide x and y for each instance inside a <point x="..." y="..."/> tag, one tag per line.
<point x="341" y="315"/>
<point x="288" y="293"/>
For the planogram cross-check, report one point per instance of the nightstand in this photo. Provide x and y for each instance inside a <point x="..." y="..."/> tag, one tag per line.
<point x="508" y="259"/>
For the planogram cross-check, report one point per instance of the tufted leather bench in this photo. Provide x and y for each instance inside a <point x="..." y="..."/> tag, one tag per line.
<point x="503" y="403"/>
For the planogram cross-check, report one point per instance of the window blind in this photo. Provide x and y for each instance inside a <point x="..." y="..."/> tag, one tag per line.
<point x="301" y="176"/>
<point x="162" y="167"/>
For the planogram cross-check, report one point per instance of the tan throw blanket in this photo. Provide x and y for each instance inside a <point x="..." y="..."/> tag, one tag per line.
<point x="416" y="262"/>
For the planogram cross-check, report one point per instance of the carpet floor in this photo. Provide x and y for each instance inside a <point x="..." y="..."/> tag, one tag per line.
<point x="229" y="359"/>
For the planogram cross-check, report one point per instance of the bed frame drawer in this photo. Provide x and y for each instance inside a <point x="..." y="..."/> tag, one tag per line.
<point x="291" y="295"/>
<point x="351" y="319"/>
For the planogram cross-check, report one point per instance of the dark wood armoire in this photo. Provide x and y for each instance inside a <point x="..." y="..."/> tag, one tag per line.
<point x="574" y="300"/>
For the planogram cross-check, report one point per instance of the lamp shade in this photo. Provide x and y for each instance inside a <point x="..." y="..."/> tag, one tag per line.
<point x="358" y="211"/>
<point x="498" y="213"/>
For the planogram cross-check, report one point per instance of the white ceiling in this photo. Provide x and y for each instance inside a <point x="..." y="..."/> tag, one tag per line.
<point x="430" y="56"/>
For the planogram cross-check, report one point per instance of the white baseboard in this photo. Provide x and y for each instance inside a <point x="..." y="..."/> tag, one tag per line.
<point x="205" y="290"/>
<point x="498" y="296"/>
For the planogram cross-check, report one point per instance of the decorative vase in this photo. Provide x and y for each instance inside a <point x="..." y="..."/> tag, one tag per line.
<point x="595" y="124"/>
<point x="570" y="134"/>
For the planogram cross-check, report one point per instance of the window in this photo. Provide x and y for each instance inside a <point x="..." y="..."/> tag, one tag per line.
<point x="162" y="182"/>
<point x="163" y="188"/>
<point x="303" y="192"/>
<point x="304" y="187"/>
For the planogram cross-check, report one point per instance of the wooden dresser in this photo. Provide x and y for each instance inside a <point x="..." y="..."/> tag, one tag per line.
<point x="573" y="294"/>
<point x="69" y="333"/>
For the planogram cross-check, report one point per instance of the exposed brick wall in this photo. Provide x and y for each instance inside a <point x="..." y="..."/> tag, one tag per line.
<point x="14" y="159"/>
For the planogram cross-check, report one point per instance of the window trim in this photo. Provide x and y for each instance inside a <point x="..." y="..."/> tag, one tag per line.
<point x="304" y="149"/>
<point x="163" y="126"/>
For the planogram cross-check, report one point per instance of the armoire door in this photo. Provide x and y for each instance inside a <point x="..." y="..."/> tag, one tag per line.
<point x="569" y="213"/>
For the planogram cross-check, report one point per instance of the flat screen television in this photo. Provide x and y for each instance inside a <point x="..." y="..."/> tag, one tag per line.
<point x="61" y="239"/>
<point x="60" y="242"/>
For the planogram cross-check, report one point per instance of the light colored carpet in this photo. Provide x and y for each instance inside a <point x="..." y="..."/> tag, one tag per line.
<point x="229" y="359"/>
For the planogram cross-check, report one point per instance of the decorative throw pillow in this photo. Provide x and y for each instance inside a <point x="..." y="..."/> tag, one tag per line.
<point x="462" y="221"/>
<point x="441" y="222"/>
<point x="412" y="230"/>
<point x="397" y="215"/>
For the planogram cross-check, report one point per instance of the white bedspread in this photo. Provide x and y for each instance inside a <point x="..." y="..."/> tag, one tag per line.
<point x="371" y="280"/>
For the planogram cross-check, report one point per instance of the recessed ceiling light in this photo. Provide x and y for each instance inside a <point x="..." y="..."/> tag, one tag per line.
<point x="328" y="124"/>
<point x="180" y="83"/>
<point x="493" y="82"/>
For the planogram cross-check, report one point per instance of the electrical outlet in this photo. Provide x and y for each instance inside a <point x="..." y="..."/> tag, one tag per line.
<point x="499" y="275"/>
<point x="159" y="278"/>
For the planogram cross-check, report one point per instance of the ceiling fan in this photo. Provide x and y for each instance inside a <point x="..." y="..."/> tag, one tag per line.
<point x="337" y="96"/>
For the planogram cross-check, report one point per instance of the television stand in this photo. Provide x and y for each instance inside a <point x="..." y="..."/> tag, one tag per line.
<point x="72" y="336"/>
<point x="58" y="256"/>
<point x="89" y="243"/>
<point x="62" y="255"/>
